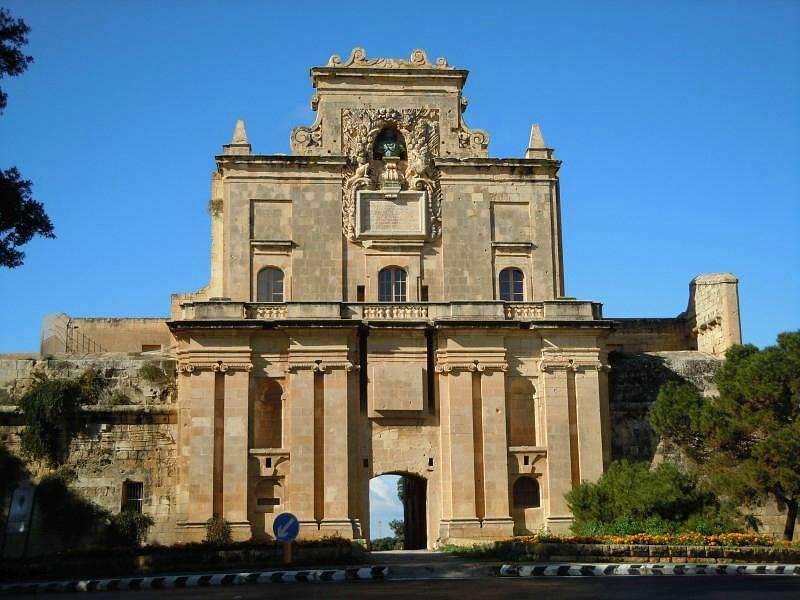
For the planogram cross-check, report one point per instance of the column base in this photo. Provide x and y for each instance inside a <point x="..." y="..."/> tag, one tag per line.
<point x="475" y="531"/>
<point x="241" y="531"/>
<point x="559" y="524"/>
<point x="344" y="528"/>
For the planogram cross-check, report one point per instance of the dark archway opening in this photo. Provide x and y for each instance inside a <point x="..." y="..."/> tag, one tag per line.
<point x="413" y="491"/>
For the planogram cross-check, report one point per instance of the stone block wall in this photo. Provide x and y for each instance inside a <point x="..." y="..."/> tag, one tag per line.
<point x="129" y="434"/>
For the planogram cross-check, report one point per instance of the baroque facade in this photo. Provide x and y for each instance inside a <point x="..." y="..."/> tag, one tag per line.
<point x="389" y="299"/>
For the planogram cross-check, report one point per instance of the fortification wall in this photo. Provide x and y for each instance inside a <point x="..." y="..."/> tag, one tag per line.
<point x="64" y="334"/>
<point x="634" y="381"/>
<point x="129" y="435"/>
<point x="710" y="324"/>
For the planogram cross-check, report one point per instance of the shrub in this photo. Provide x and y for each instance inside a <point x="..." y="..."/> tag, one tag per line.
<point x="128" y="528"/>
<point x="386" y="543"/>
<point x="51" y="408"/>
<point x="631" y="498"/>
<point x="118" y="397"/>
<point x="91" y="383"/>
<point x="153" y="373"/>
<point x="218" y="531"/>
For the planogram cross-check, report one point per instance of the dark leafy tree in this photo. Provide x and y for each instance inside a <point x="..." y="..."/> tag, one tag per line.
<point x="746" y="440"/>
<point x="21" y="217"/>
<point x="13" y="36"/>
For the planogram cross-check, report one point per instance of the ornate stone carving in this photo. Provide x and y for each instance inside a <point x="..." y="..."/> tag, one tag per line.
<point x="320" y="366"/>
<point x="358" y="58"/>
<point x="306" y="140"/>
<point x="420" y="129"/>
<point x="473" y="139"/>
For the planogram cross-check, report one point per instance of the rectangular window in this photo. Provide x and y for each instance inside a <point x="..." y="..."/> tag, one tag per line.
<point x="360" y="293"/>
<point x="132" y="496"/>
<point x="423" y="293"/>
<point x="150" y="347"/>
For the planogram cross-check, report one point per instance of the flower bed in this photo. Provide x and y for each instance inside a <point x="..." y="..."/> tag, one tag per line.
<point x="675" y="548"/>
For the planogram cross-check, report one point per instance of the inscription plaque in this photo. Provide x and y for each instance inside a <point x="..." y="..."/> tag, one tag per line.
<point x="380" y="214"/>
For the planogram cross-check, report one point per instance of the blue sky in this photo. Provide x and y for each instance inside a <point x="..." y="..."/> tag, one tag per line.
<point x="678" y="123"/>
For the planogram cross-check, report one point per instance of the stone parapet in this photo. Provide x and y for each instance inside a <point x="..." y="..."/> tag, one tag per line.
<point x="555" y="310"/>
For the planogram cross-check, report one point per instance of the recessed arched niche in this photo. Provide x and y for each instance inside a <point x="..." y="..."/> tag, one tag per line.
<point x="389" y="143"/>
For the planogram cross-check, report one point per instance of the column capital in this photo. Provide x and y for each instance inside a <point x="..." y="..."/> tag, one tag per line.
<point x="320" y="366"/>
<point x="188" y="367"/>
<point x="445" y="368"/>
<point x="578" y="359"/>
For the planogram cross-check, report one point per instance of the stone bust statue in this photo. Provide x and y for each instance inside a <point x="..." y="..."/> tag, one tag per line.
<point x="388" y="145"/>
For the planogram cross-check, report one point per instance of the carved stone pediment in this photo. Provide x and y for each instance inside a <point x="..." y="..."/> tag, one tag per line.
<point x="358" y="58"/>
<point x="415" y="172"/>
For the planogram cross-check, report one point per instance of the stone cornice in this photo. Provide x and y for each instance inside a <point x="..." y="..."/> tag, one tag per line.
<point x="572" y="360"/>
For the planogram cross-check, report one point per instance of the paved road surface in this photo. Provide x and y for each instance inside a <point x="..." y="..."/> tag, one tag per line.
<point x="649" y="588"/>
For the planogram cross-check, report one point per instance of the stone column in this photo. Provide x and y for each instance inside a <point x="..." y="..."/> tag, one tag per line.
<point x="235" y="450"/>
<point x="459" y="518"/>
<point x="557" y="440"/>
<point x="336" y="521"/>
<point x="300" y="442"/>
<point x="497" y="521"/>
<point x="590" y="423"/>
<point x="200" y="451"/>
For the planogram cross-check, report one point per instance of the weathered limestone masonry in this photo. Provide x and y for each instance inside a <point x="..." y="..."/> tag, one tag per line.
<point x="389" y="299"/>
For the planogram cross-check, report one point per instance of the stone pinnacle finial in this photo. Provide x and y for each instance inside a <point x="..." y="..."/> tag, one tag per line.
<point x="536" y="145"/>
<point x="240" y="135"/>
<point x="239" y="143"/>
<point x="537" y="140"/>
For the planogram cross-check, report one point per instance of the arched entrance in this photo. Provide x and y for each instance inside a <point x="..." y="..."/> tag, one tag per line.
<point x="396" y="493"/>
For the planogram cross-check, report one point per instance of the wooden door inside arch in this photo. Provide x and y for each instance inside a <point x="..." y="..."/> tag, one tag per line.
<point x="415" y="521"/>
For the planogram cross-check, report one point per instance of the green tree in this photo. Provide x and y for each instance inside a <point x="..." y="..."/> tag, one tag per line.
<point x="632" y="498"/>
<point x="746" y="440"/>
<point x="21" y="217"/>
<point x="398" y="528"/>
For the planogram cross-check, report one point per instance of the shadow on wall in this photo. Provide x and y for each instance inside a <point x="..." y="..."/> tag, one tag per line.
<point x="634" y="381"/>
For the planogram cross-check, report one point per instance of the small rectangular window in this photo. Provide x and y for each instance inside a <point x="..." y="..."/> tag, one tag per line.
<point x="150" y="347"/>
<point x="132" y="496"/>
<point x="360" y="293"/>
<point x="423" y="293"/>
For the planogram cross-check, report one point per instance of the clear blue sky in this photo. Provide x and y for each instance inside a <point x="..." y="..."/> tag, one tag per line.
<point x="678" y="123"/>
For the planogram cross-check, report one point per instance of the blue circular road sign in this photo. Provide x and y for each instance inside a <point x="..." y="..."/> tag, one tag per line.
<point x="285" y="527"/>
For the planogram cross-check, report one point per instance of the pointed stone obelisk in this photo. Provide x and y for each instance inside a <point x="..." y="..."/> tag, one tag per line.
<point x="536" y="145"/>
<point x="239" y="142"/>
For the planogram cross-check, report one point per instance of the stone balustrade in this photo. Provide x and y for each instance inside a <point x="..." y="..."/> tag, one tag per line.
<point x="552" y="310"/>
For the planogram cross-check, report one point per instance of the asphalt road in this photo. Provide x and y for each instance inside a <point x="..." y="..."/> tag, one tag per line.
<point x="562" y="588"/>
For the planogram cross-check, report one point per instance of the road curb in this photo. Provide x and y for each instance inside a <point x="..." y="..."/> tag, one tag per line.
<point x="199" y="580"/>
<point x="655" y="569"/>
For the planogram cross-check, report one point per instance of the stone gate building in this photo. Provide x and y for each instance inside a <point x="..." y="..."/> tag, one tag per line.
<point x="389" y="299"/>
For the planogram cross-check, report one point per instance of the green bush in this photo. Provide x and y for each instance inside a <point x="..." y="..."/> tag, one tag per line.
<point x="632" y="498"/>
<point x="218" y="531"/>
<point x="153" y="373"/>
<point x="128" y="528"/>
<point x="91" y="383"/>
<point x="386" y="543"/>
<point x="51" y="408"/>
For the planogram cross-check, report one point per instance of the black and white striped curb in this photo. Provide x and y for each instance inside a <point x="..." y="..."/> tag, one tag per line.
<point x="207" y="580"/>
<point x="606" y="570"/>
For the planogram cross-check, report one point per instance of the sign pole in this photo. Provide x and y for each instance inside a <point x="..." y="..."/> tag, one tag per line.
<point x="287" y="553"/>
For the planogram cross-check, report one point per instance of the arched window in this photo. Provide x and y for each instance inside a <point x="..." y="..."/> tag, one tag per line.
<point x="270" y="285"/>
<point x="526" y="493"/>
<point x="511" y="285"/>
<point x="392" y="285"/>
